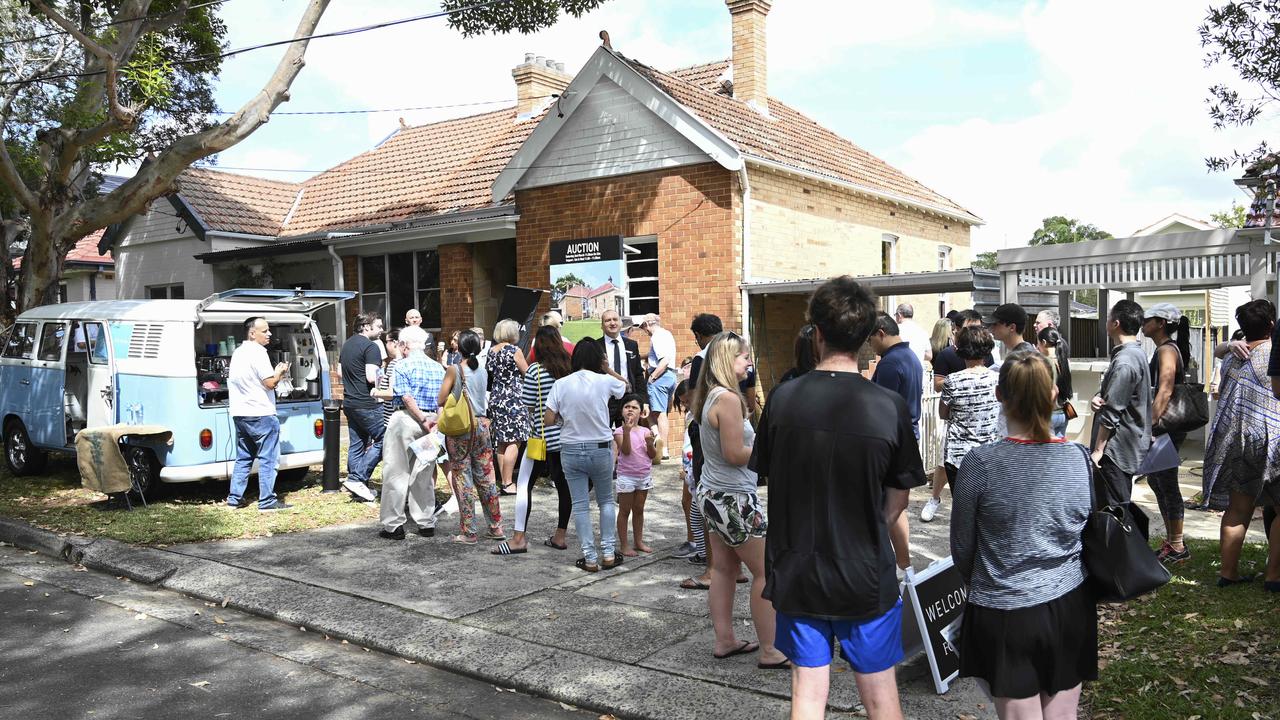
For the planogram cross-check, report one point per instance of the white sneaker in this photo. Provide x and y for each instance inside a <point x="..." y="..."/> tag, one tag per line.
<point x="359" y="489"/>
<point x="930" y="509"/>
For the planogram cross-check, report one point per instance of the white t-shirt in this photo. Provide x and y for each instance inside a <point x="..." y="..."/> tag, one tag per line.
<point x="249" y="367"/>
<point x="581" y="399"/>
<point x="662" y="346"/>
<point x="915" y="336"/>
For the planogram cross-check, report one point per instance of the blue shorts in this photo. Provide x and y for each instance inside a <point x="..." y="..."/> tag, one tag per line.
<point x="869" y="645"/>
<point x="660" y="391"/>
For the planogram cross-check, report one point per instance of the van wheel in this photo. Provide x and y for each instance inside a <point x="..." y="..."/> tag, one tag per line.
<point x="292" y="475"/>
<point x="20" y="455"/>
<point x="144" y="471"/>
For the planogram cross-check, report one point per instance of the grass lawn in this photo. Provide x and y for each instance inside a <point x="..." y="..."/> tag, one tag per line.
<point x="176" y="513"/>
<point x="1191" y="649"/>
<point x="575" y="330"/>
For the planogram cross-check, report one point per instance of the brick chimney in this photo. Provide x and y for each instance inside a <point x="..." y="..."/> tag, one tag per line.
<point x="537" y="78"/>
<point x="750" y="65"/>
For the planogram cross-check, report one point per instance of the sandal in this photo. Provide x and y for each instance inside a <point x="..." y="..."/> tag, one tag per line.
<point x="504" y="549"/>
<point x="464" y="539"/>
<point x="506" y="491"/>
<point x="746" y="646"/>
<point x="499" y="535"/>
<point x="551" y="543"/>
<point x="582" y="564"/>
<point x="783" y="664"/>
<point x="1228" y="582"/>
<point x="611" y="564"/>
<point x="693" y="583"/>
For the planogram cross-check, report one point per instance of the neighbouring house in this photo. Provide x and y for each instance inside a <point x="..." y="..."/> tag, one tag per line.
<point x="576" y="303"/>
<point x="606" y="297"/>
<point x="709" y="181"/>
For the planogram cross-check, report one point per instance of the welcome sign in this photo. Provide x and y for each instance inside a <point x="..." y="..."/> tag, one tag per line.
<point x="935" y="599"/>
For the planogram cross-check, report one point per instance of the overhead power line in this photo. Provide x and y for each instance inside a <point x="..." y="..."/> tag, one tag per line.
<point x="276" y="43"/>
<point x="121" y="21"/>
<point x="388" y="110"/>
<point x="413" y="172"/>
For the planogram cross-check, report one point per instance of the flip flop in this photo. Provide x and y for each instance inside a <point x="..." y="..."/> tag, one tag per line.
<point x="1228" y="582"/>
<point x="463" y="540"/>
<point x="582" y="564"/>
<point x="743" y="580"/>
<point x="692" y="583"/>
<point x="552" y="544"/>
<point x="783" y="664"/>
<point x="617" y="560"/>
<point x="747" y="646"/>
<point x="504" y="549"/>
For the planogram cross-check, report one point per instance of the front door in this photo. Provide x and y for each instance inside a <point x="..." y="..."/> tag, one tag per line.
<point x="48" y="384"/>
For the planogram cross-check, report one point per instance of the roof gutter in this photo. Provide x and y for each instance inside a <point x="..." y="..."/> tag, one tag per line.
<point x="964" y="217"/>
<point x="746" y="250"/>
<point x="339" y="283"/>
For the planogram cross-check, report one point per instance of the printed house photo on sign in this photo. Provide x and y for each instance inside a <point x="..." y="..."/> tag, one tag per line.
<point x="588" y="277"/>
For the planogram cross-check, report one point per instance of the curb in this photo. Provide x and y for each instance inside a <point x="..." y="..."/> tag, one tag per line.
<point x="29" y="537"/>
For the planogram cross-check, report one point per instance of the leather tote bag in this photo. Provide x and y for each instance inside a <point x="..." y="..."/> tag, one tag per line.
<point x="456" y="418"/>
<point x="1120" y="563"/>
<point x="1188" y="409"/>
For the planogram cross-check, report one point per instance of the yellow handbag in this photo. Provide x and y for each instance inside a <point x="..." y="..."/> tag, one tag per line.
<point x="456" y="417"/>
<point x="536" y="448"/>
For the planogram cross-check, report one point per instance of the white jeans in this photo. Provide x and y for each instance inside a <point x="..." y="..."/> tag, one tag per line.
<point x="397" y="482"/>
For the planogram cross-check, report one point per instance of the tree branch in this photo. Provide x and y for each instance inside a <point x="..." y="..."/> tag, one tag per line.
<point x="156" y="178"/>
<point x="110" y="63"/>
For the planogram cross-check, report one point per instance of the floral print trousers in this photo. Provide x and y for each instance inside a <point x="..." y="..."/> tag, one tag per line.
<point x="471" y="470"/>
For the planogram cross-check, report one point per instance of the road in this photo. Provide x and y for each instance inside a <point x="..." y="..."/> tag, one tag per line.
<point x="72" y="648"/>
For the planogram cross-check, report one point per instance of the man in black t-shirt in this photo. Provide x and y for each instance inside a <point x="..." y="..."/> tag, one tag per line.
<point x="947" y="361"/>
<point x="840" y="457"/>
<point x="361" y="361"/>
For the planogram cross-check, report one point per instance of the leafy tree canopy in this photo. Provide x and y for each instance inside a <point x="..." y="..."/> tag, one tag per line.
<point x="1244" y="34"/>
<point x="1232" y="217"/>
<point x="1058" y="230"/>
<point x="985" y="261"/>
<point x="523" y="16"/>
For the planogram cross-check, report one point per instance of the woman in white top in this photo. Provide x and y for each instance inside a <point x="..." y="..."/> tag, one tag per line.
<point x="579" y="403"/>
<point x="471" y="455"/>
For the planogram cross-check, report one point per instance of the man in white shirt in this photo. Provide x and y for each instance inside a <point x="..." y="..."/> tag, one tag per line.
<point x="913" y="334"/>
<point x="251" y="384"/>
<point x="662" y="373"/>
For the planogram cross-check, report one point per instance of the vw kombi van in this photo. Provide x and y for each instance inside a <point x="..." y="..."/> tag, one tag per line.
<point x="64" y="368"/>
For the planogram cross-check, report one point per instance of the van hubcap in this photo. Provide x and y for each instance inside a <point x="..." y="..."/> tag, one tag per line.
<point x="17" y="449"/>
<point x="140" y="468"/>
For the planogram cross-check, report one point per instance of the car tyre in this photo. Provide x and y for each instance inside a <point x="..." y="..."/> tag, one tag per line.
<point x="144" y="469"/>
<point x="20" y="455"/>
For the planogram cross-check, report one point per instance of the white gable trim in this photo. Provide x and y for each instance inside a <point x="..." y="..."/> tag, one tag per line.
<point x="605" y="64"/>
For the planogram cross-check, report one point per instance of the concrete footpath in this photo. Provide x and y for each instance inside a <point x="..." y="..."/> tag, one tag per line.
<point x="628" y="641"/>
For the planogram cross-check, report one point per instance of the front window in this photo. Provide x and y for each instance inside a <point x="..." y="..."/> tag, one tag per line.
<point x="391" y="285"/>
<point x="174" y="291"/>
<point x="21" y="342"/>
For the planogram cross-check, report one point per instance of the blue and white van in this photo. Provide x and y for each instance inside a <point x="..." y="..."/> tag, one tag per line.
<point x="67" y="367"/>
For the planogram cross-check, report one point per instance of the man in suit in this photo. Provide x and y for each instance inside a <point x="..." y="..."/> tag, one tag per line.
<point x="623" y="355"/>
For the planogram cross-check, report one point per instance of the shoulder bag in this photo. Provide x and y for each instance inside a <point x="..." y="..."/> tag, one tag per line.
<point x="1118" y="560"/>
<point x="456" y="418"/>
<point x="536" y="447"/>
<point x="1188" y="409"/>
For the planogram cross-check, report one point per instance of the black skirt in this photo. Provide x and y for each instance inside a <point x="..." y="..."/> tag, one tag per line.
<point x="1045" y="648"/>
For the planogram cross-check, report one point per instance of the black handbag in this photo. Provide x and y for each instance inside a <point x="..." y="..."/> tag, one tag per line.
<point x="1188" y="409"/>
<point x="1120" y="563"/>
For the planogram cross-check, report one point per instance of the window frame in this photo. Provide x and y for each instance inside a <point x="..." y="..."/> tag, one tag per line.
<point x="45" y="336"/>
<point x="168" y="289"/>
<point x="30" y="354"/>
<point x="417" y="292"/>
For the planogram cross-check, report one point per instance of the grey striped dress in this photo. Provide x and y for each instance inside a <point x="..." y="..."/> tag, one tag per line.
<point x="529" y="395"/>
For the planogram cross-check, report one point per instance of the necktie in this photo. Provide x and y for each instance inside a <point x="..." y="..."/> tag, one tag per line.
<point x="617" y="356"/>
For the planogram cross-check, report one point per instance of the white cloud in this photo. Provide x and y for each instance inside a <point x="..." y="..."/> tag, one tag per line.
<point x="1118" y="141"/>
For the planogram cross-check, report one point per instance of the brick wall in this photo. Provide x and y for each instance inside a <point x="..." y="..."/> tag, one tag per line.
<point x="692" y="210"/>
<point x="456" y="286"/>
<point x="801" y="229"/>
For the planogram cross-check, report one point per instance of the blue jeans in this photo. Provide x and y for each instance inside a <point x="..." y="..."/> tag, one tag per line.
<point x="257" y="438"/>
<point x="365" y="427"/>
<point x="583" y="462"/>
<point x="1058" y="421"/>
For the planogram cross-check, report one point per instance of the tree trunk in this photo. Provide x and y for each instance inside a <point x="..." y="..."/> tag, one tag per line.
<point x="42" y="267"/>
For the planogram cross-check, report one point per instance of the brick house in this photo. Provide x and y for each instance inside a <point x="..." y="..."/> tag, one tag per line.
<point x="708" y="180"/>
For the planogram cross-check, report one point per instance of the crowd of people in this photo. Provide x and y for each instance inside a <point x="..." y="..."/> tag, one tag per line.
<point x="824" y="551"/>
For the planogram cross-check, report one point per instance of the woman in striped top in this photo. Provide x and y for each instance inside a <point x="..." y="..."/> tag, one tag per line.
<point x="395" y="351"/>
<point x="1030" y="626"/>
<point x="553" y="363"/>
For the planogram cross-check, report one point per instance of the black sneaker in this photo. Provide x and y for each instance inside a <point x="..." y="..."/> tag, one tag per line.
<point x="276" y="506"/>
<point x="238" y="506"/>
<point x="427" y="532"/>
<point x="1176" y="557"/>
<point x="397" y="534"/>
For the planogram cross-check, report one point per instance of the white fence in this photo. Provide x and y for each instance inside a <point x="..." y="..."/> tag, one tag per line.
<point x="931" y="427"/>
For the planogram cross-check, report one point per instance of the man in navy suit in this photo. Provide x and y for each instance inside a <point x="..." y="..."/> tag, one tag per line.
<point x="623" y="355"/>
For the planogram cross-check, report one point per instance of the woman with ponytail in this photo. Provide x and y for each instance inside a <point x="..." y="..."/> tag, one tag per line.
<point x="1049" y="343"/>
<point x="1030" y="627"/>
<point x="471" y="455"/>
<point x="1168" y="368"/>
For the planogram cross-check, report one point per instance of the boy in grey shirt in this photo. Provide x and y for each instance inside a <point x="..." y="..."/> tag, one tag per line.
<point x="1122" y="407"/>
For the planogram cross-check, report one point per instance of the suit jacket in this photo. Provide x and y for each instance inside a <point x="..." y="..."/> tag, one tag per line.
<point x="637" y="379"/>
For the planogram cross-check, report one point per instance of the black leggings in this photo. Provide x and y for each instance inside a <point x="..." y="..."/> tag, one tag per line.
<point x="1164" y="485"/>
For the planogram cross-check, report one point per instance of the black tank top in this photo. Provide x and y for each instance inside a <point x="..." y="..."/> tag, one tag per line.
<point x="1179" y="375"/>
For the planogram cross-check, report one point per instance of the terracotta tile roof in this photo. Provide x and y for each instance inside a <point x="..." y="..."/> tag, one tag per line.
<point x="578" y="291"/>
<point x="789" y="137"/>
<point x="85" y="251"/>
<point x="607" y="287"/>
<point x="237" y="203"/>
<point x="420" y="171"/>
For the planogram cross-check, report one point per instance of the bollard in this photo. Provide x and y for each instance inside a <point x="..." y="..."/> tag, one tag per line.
<point x="332" y="434"/>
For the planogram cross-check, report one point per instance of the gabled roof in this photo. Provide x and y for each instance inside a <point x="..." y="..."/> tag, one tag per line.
<point x="578" y="291"/>
<point x="237" y="203"/>
<point x="787" y="136"/>
<point x="1172" y="221"/>
<point x="607" y="287"/>
<point x="85" y="252"/>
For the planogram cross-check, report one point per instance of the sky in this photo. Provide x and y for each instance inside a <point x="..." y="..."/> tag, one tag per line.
<point x="1015" y="110"/>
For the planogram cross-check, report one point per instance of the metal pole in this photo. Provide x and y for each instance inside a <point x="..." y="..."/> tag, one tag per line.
<point x="332" y="455"/>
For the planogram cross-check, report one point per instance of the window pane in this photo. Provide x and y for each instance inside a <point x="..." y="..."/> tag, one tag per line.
<point x="21" y="341"/>
<point x="96" y="339"/>
<point x="51" y="341"/>
<point x="375" y="303"/>
<point x="177" y="292"/>
<point x="429" y="306"/>
<point x="375" y="274"/>
<point x="402" y="298"/>
<point x="428" y="271"/>
<point x="157" y="292"/>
